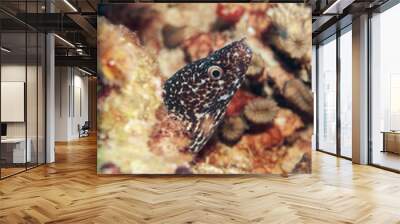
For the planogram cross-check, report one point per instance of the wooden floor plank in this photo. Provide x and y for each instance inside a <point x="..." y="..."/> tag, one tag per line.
<point x="70" y="191"/>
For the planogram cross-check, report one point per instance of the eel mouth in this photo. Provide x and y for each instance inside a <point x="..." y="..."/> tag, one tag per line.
<point x="244" y="51"/>
<point x="239" y="54"/>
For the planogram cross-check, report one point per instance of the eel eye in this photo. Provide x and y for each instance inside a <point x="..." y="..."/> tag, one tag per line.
<point x="215" y="72"/>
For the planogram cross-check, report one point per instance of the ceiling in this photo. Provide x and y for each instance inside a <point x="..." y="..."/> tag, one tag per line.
<point x="75" y="21"/>
<point x="332" y="15"/>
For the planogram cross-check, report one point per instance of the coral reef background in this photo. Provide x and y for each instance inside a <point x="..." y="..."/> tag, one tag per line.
<point x="269" y="123"/>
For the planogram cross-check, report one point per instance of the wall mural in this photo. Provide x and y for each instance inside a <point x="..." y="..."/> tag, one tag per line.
<point x="204" y="88"/>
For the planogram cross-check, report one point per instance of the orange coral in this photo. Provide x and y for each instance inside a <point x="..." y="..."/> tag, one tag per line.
<point x="264" y="140"/>
<point x="230" y="13"/>
<point x="239" y="100"/>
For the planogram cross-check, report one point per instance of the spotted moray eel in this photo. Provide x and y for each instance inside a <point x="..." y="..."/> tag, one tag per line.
<point x="197" y="95"/>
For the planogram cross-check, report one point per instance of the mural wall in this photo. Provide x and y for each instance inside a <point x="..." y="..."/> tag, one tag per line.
<point x="204" y="88"/>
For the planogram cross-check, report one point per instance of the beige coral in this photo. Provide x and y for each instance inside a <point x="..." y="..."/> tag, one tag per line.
<point x="233" y="128"/>
<point x="296" y="92"/>
<point x="256" y="67"/>
<point x="293" y="30"/>
<point x="261" y="110"/>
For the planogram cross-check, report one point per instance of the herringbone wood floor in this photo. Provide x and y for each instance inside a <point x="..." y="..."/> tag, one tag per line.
<point x="69" y="191"/>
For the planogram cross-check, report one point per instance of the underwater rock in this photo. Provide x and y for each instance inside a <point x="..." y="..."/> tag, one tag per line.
<point x="298" y="156"/>
<point x="266" y="150"/>
<point x="202" y="44"/>
<point x="295" y="155"/>
<point x="304" y="75"/>
<point x="261" y="110"/>
<point x="170" y="60"/>
<point x="218" y="169"/>
<point x="233" y="128"/>
<point x="288" y="122"/>
<point x="296" y="92"/>
<point x="225" y="159"/>
<point x="125" y="130"/>
<point x="116" y="52"/>
<point x="169" y="139"/>
<point x="305" y="72"/>
<point x="172" y="36"/>
<point x="183" y="170"/>
<point x="258" y="19"/>
<point x="303" y="165"/>
<point x="268" y="90"/>
<point x="292" y="138"/>
<point x="279" y="76"/>
<point x="126" y="64"/>
<point x="198" y="46"/>
<point x="142" y="19"/>
<point x="133" y="16"/>
<point x="269" y="161"/>
<point x="198" y="17"/>
<point x="302" y="134"/>
<point x="109" y="168"/>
